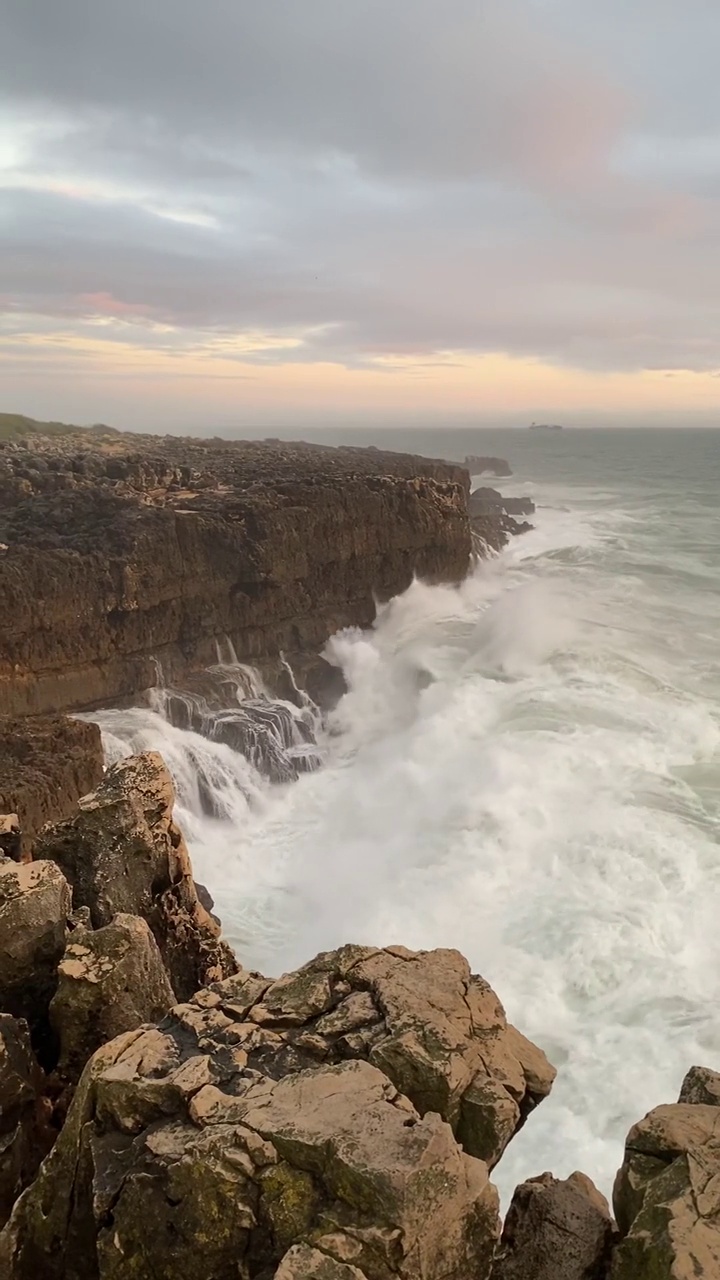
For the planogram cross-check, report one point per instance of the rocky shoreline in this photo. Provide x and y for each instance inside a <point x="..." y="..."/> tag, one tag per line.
<point x="163" y="1111"/>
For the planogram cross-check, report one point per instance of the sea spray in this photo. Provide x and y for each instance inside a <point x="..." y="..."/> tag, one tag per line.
<point x="521" y="768"/>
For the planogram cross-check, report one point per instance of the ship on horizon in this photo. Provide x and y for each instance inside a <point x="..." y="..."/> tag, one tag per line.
<point x="545" y="426"/>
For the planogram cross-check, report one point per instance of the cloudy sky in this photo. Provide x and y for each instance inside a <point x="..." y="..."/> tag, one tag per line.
<point x="283" y="211"/>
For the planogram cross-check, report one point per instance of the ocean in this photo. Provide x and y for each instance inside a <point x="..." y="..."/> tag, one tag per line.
<point x="526" y="768"/>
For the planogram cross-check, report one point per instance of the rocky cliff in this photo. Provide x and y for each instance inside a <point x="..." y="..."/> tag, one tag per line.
<point x="339" y="1123"/>
<point x="122" y="553"/>
<point x="46" y="765"/>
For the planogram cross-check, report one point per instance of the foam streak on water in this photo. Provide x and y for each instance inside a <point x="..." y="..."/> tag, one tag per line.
<point x="528" y="769"/>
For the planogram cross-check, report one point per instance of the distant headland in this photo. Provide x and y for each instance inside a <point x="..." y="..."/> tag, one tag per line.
<point x="545" y="426"/>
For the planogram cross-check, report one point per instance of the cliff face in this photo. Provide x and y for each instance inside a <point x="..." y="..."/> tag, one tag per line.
<point x="116" y="559"/>
<point x="46" y="765"/>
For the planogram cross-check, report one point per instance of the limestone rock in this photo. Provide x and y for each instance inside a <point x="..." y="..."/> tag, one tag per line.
<point x="667" y="1195"/>
<point x="439" y="1033"/>
<point x="333" y="1159"/>
<point x="35" y="903"/>
<point x="46" y="765"/>
<point x="24" y="1138"/>
<point x="109" y="981"/>
<point x="304" y="1263"/>
<point x="555" y="1230"/>
<point x="304" y="1122"/>
<point x="126" y="550"/>
<point x="123" y="853"/>
<point x="701" y="1085"/>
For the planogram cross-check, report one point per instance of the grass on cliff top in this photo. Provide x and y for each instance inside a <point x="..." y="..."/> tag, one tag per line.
<point x="13" y="426"/>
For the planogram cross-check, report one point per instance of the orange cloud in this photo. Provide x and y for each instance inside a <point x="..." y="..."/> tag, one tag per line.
<point x="105" y="304"/>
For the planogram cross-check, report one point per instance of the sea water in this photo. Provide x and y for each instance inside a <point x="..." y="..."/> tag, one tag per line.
<point x="526" y="768"/>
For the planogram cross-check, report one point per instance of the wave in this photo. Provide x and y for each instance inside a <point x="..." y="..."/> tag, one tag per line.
<point x="516" y="770"/>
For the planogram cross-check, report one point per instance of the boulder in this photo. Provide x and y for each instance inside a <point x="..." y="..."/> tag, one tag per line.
<point x="123" y="853"/>
<point x="667" y="1195"/>
<point x="35" y="904"/>
<point x="438" y="1032"/>
<point x="555" y="1230"/>
<point x="332" y="1120"/>
<point x="24" y="1136"/>
<point x="109" y="981"/>
<point x="701" y="1085"/>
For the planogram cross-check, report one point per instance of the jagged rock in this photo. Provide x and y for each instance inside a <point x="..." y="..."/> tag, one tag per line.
<point x="10" y="836"/>
<point x="24" y="1137"/>
<point x="701" y="1085"/>
<point x="485" y="501"/>
<point x="267" y="1121"/>
<point x="555" y="1230"/>
<point x="304" y="1263"/>
<point x="46" y="765"/>
<point x="437" y="1032"/>
<point x="35" y="904"/>
<point x="667" y="1195"/>
<point x="109" y="981"/>
<point x="123" y="853"/>
<point x="177" y="1163"/>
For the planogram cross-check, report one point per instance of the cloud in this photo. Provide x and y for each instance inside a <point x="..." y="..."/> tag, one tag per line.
<point x="374" y="186"/>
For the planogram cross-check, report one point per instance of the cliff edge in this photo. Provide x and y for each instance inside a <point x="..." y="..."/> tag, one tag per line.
<point x="119" y="553"/>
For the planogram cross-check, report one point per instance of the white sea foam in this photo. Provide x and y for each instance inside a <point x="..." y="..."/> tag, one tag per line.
<point x="522" y="769"/>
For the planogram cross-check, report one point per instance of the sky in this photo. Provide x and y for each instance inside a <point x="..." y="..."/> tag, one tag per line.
<point x="271" y="212"/>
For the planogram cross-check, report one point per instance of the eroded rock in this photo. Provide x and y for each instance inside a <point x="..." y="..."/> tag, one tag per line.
<point x="304" y="1122"/>
<point x="109" y="981"/>
<point x="35" y="904"/>
<point x="123" y="551"/>
<point x="332" y="1159"/>
<point x="123" y="853"/>
<point x="46" y="764"/>
<point x="555" y="1230"/>
<point x="667" y="1194"/>
<point x="701" y="1085"/>
<point x="438" y="1032"/>
<point x="24" y="1137"/>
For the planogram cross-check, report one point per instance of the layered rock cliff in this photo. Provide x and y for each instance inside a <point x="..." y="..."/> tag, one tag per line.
<point x="46" y="765"/>
<point x="120" y="556"/>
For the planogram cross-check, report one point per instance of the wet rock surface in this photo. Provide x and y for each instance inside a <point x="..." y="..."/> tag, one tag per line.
<point x="123" y="551"/>
<point x="123" y="853"/>
<point x="307" y="1122"/>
